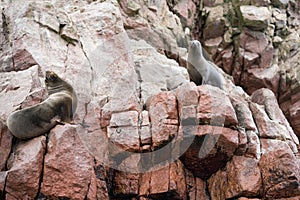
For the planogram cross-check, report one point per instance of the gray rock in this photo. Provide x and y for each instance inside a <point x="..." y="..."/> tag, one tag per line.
<point x="157" y="73"/>
<point x="256" y="18"/>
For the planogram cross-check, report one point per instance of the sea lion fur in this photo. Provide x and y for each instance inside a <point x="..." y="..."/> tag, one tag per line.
<point x="200" y="70"/>
<point x="37" y="120"/>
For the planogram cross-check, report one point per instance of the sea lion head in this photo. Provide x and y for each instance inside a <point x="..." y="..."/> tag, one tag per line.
<point x="195" y="48"/>
<point x="52" y="79"/>
<point x="55" y="84"/>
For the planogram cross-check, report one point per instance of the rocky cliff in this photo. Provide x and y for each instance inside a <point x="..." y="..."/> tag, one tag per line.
<point x="142" y="130"/>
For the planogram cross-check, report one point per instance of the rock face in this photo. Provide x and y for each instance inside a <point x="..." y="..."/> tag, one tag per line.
<point x="142" y="130"/>
<point x="256" y="42"/>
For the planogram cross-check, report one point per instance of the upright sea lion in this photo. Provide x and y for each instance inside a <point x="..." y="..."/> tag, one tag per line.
<point x="37" y="120"/>
<point x="201" y="69"/>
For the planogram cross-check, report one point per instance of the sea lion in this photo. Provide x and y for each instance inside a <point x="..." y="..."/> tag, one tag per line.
<point x="37" y="120"/>
<point x="200" y="70"/>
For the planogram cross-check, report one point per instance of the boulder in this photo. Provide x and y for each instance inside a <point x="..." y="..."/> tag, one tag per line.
<point x="67" y="171"/>
<point x="25" y="167"/>
<point x="257" y="18"/>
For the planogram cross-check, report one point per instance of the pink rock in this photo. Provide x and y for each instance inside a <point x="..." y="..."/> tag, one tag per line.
<point x="267" y="127"/>
<point x="243" y="112"/>
<point x="101" y="177"/>
<point x="25" y="168"/>
<point x="129" y="118"/>
<point x="213" y="44"/>
<point x="187" y="94"/>
<point x="267" y="57"/>
<point x="215" y="107"/>
<point x="249" y="59"/>
<point x="91" y="118"/>
<point x="240" y="177"/>
<point x="188" y="99"/>
<point x="92" y="192"/>
<point x="159" y="182"/>
<point x="125" y="184"/>
<point x="166" y="180"/>
<point x="253" y="41"/>
<point x="187" y="11"/>
<point x="18" y="85"/>
<point x="243" y="141"/>
<point x="3" y="175"/>
<point x="68" y="165"/>
<point x="196" y="188"/>
<point x="22" y="57"/>
<point x="280" y="170"/>
<point x="146" y="137"/>
<point x="253" y="145"/>
<point x="267" y="98"/>
<point x="215" y="22"/>
<point x="125" y="137"/>
<point x="294" y="118"/>
<point x="5" y="145"/>
<point x="96" y="143"/>
<point x="144" y="117"/>
<point x="208" y="154"/>
<point x="163" y="115"/>
<point x="256" y="78"/>
<point x="177" y="183"/>
<point x="227" y="61"/>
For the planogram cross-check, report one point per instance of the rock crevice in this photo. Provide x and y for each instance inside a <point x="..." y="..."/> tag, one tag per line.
<point x="141" y="129"/>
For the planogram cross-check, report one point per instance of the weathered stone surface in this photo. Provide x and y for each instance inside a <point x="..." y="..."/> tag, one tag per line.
<point x="18" y="85"/>
<point x="253" y="145"/>
<point x="280" y="3"/>
<point x="3" y="176"/>
<point x="257" y="18"/>
<point x="294" y="116"/>
<point x="166" y="181"/>
<point x="210" y="150"/>
<point x="249" y="41"/>
<point x="5" y="145"/>
<point x="100" y="177"/>
<point x="156" y="72"/>
<point x="243" y="112"/>
<point x="25" y="168"/>
<point x="227" y="61"/>
<point x="163" y="115"/>
<point x="186" y="10"/>
<point x="255" y="49"/>
<point x="261" y="77"/>
<point x="126" y="137"/>
<point x="196" y="187"/>
<point x="188" y="99"/>
<point x="280" y="18"/>
<point x="67" y="170"/>
<point x="122" y="119"/>
<point x="187" y="95"/>
<point x="280" y="170"/>
<point x="85" y="42"/>
<point x="215" y="23"/>
<point x="215" y="107"/>
<point x="145" y="130"/>
<point x="158" y="26"/>
<point x="267" y="127"/>
<point x="267" y="98"/>
<point x="241" y="177"/>
<point x="125" y="184"/>
<point x="177" y="183"/>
